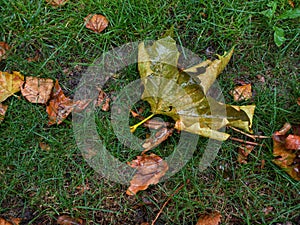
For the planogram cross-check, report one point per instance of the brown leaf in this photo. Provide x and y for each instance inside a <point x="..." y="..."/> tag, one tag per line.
<point x="44" y="146"/>
<point x="150" y="168"/>
<point x="57" y="2"/>
<point x="213" y="218"/>
<point x="3" y="109"/>
<point x="10" y="84"/>
<point x="267" y="210"/>
<point x="37" y="90"/>
<point x="291" y="3"/>
<point x="103" y="101"/>
<point x="155" y="124"/>
<point x="298" y="101"/>
<point x="244" y="151"/>
<point x="241" y="93"/>
<point x="61" y="106"/>
<point x="35" y="58"/>
<point x="67" y="220"/>
<point x="158" y="138"/>
<point x="96" y="22"/>
<point x="12" y="221"/>
<point x="3" y="48"/>
<point x="286" y="157"/>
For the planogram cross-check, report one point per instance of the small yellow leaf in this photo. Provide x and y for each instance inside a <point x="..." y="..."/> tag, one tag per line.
<point x="10" y="84"/>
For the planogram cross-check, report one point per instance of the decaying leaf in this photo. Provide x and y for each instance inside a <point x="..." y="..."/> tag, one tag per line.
<point x="44" y="146"/>
<point x="241" y="93"/>
<point x="35" y="58"/>
<point x="3" y="109"/>
<point x="179" y="95"/>
<point x="61" y="106"/>
<point x="244" y="151"/>
<point x="286" y="150"/>
<point x="57" y="2"/>
<point x="156" y="124"/>
<point x="10" y="84"/>
<point x="158" y="138"/>
<point x="103" y="101"/>
<point x="298" y="101"/>
<point x="4" y="47"/>
<point x="67" y="220"/>
<point x="150" y="168"/>
<point x="11" y="221"/>
<point x="213" y="218"/>
<point x="96" y="22"/>
<point x="37" y="90"/>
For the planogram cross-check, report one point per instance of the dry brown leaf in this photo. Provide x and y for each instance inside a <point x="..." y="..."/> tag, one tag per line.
<point x="61" y="106"/>
<point x="57" y="2"/>
<point x="12" y="221"/>
<point x="156" y="124"/>
<point x="4" y="47"/>
<point x="67" y="220"/>
<point x="10" y="84"/>
<point x="35" y="58"/>
<point x="267" y="210"/>
<point x="213" y="218"/>
<point x="244" y="151"/>
<point x="241" y="93"/>
<point x="291" y="3"/>
<point x="44" y="146"/>
<point x="3" y="109"/>
<point x="103" y="100"/>
<point x="158" y="138"/>
<point x="96" y="22"/>
<point x="298" y="101"/>
<point x="37" y="90"/>
<point x="150" y="168"/>
<point x="286" y="151"/>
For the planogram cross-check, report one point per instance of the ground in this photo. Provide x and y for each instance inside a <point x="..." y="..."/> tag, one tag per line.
<point x="39" y="185"/>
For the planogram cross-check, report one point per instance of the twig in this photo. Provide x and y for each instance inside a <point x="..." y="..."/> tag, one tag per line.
<point x="170" y="197"/>
<point x="245" y="142"/>
<point x="248" y="135"/>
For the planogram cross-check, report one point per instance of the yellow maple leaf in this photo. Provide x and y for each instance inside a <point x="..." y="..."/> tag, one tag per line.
<point x="10" y="84"/>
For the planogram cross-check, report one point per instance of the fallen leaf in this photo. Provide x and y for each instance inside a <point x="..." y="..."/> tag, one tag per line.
<point x="4" y="47"/>
<point x="286" y="151"/>
<point x="156" y="124"/>
<point x="150" y="168"/>
<point x="35" y="58"/>
<point x="96" y="22"/>
<point x="67" y="220"/>
<point x="158" y="138"/>
<point x="244" y="151"/>
<point x="3" y="109"/>
<point x="241" y="93"/>
<point x="44" y="146"/>
<point x="179" y="95"/>
<point x="267" y="210"/>
<point x="291" y="3"/>
<point x="213" y="218"/>
<point x="37" y="90"/>
<point x="11" y="221"/>
<point x="298" y="101"/>
<point x="57" y="2"/>
<point x="10" y="84"/>
<point x="103" y="101"/>
<point x="60" y="106"/>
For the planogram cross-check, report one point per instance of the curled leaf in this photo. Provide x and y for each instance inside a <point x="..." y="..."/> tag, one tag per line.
<point x="3" y="109"/>
<point x="96" y="22"/>
<point x="150" y="168"/>
<point x="286" y="151"/>
<point x="37" y="90"/>
<point x="4" y="47"/>
<point x="10" y="84"/>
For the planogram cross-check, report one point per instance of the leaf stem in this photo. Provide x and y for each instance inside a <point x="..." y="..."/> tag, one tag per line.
<point x="133" y="128"/>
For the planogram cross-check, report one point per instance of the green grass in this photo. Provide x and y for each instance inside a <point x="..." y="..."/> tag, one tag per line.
<point x="39" y="185"/>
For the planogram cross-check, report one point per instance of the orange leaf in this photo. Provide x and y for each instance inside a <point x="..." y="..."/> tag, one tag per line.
<point x="103" y="101"/>
<point x="44" y="146"/>
<point x="298" y="101"/>
<point x="57" y="2"/>
<point x="244" y="151"/>
<point x="3" y="48"/>
<point x="10" y="84"/>
<point x="3" y="109"/>
<point x="12" y="221"/>
<point x="96" y="23"/>
<point x="150" y="168"/>
<point x="67" y="220"/>
<point x="241" y="93"/>
<point x="286" y="157"/>
<point x="213" y="218"/>
<point x="37" y="90"/>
